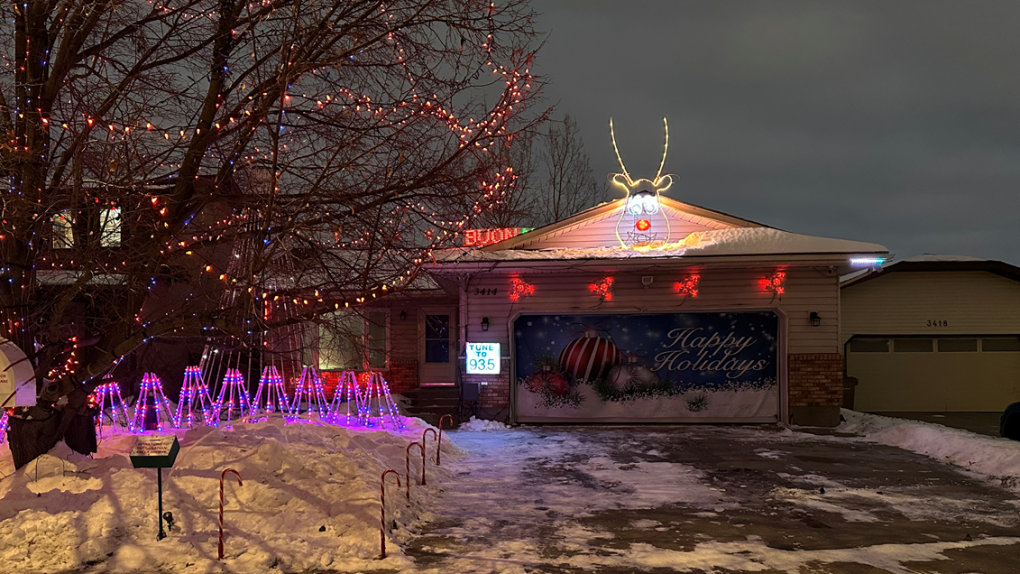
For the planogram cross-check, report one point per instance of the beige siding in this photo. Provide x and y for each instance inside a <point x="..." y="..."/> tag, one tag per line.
<point x="971" y="302"/>
<point x="568" y="292"/>
<point x="601" y="232"/>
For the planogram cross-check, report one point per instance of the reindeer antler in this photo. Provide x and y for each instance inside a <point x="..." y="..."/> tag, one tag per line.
<point x="665" y="148"/>
<point x="612" y="134"/>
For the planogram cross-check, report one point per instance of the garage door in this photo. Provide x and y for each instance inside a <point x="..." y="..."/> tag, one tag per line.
<point x="665" y="367"/>
<point x="953" y="374"/>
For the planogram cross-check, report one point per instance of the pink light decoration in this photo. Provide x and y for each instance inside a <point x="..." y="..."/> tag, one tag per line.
<point x="520" y="288"/>
<point x="151" y="399"/>
<point x="347" y="392"/>
<point x="688" y="286"/>
<point x="194" y="396"/>
<point x="234" y="396"/>
<point x="275" y="401"/>
<point x="4" y="423"/>
<point x="379" y="391"/>
<point x="108" y="396"/>
<point x="309" y="390"/>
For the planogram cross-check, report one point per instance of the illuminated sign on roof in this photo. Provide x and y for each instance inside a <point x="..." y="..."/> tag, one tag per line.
<point x="483" y="237"/>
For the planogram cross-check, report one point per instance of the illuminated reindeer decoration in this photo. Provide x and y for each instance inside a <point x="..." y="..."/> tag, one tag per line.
<point x="645" y="225"/>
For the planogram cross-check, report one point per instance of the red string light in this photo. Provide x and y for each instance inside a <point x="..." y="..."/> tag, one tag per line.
<point x="603" y="288"/>
<point x="688" y="286"/>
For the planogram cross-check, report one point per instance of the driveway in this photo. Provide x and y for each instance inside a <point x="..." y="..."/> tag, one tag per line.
<point x="709" y="499"/>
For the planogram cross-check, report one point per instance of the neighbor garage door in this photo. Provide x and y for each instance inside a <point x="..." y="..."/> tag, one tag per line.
<point x="915" y="374"/>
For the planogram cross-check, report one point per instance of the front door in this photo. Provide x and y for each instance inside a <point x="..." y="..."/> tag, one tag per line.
<point x="437" y="344"/>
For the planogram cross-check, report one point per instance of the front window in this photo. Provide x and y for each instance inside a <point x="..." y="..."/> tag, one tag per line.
<point x="109" y="227"/>
<point x="63" y="230"/>
<point x="437" y="338"/>
<point x="350" y="341"/>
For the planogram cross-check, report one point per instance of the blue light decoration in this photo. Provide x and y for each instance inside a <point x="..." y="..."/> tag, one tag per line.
<point x="152" y="410"/>
<point x="867" y="261"/>
<point x="347" y="392"/>
<point x="270" y="385"/>
<point x="194" y="396"/>
<point x="4" y="416"/>
<point x="310" y="391"/>
<point x="379" y="391"/>
<point x="234" y="397"/>
<point x="107" y="396"/>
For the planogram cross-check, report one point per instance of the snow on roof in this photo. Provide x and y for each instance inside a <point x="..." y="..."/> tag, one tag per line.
<point x="720" y="242"/>
<point x="931" y="257"/>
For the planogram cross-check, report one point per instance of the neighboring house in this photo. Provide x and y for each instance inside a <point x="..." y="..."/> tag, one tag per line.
<point x="613" y="315"/>
<point x="933" y="334"/>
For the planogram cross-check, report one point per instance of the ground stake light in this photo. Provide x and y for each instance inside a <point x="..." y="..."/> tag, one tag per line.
<point x="378" y="390"/>
<point x="3" y="426"/>
<point x="233" y="399"/>
<point x="311" y="394"/>
<point x="347" y="393"/>
<point x="195" y="405"/>
<point x="270" y="396"/>
<point x="108" y="397"/>
<point x="152" y="410"/>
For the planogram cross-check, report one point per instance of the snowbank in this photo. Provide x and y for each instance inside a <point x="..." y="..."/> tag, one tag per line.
<point x="997" y="458"/>
<point x="310" y="500"/>
<point x="482" y="425"/>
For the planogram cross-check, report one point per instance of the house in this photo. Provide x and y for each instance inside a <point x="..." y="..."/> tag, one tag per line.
<point x="667" y="312"/>
<point x="933" y="334"/>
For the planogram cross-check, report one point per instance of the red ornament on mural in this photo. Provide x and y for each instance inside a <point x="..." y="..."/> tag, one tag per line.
<point x="590" y="357"/>
<point x="549" y="380"/>
<point x="520" y="288"/>
<point x="603" y="288"/>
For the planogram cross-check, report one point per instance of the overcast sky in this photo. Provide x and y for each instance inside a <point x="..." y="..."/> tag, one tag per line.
<point x="891" y="122"/>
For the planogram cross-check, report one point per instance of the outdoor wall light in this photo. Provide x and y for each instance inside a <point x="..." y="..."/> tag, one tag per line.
<point x="815" y="318"/>
<point x="485" y="323"/>
<point x="403" y="315"/>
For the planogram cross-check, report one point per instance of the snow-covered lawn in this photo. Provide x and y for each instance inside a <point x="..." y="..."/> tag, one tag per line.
<point x="998" y="459"/>
<point x="310" y="501"/>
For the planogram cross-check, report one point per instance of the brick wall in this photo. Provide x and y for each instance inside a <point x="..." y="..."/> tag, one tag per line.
<point x="816" y="389"/>
<point x="495" y="394"/>
<point x="401" y="376"/>
<point x="816" y="380"/>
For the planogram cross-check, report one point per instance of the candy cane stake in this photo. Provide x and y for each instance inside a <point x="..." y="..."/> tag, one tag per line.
<point x="425" y="433"/>
<point x="407" y="465"/>
<point x="440" y="441"/>
<point x="382" y="500"/>
<point x="239" y="483"/>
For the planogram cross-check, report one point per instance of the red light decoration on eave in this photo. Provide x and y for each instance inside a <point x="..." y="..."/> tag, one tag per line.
<point x="520" y="288"/>
<point x="775" y="284"/>
<point x="603" y="288"/>
<point x="688" y="286"/>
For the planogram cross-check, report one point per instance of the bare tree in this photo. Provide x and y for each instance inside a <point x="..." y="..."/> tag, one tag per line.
<point x="200" y="168"/>
<point x="568" y="185"/>
<point x="516" y="206"/>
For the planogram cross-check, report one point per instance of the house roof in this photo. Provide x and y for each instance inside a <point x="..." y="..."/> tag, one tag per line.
<point x="935" y="263"/>
<point x="711" y="235"/>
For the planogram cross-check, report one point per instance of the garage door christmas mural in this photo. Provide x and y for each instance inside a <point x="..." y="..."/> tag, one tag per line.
<point x="661" y="367"/>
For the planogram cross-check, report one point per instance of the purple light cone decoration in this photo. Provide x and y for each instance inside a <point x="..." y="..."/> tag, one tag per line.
<point x="3" y="426"/>
<point x="270" y="387"/>
<point x="195" y="405"/>
<point x="152" y="410"/>
<point x="233" y="399"/>
<point x="347" y="394"/>
<point x="310" y="391"/>
<point x="379" y="391"/>
<point x="108" y="397"/>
